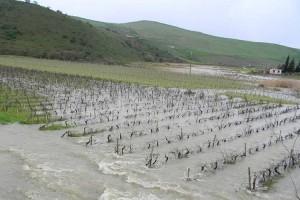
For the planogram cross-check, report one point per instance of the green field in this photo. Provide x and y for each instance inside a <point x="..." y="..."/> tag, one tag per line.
<point x="14" y="107"/>
<point x="10" y="109"/>
<point x="143" y="73"/>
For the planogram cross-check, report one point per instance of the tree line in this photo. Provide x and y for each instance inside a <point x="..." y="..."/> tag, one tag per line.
<point x="290" y="66"/>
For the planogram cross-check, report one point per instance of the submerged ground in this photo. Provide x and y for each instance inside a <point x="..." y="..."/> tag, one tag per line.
<point x="39" y="165"/>
<point x="129" y="141"/>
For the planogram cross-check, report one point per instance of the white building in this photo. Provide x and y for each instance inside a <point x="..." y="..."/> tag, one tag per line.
<point x="275" y="71"/>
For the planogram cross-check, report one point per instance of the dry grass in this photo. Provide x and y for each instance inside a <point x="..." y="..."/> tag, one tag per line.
<point x="286" y="83"/>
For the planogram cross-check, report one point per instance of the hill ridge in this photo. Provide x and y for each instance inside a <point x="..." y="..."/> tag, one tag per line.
<point x="200" y="32"/>
<point x="32" y="30"/>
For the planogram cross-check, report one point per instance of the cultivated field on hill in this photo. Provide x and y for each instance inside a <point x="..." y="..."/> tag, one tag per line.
<point x="142" y="73"/>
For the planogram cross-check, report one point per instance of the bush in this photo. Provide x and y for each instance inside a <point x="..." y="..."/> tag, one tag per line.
<point x="10" y="32"/>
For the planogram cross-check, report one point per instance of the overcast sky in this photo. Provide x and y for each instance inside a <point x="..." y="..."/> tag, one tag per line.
<point x="275" y="21"/>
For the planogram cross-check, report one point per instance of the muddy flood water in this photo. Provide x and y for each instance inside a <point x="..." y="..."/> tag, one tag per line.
<point x="37" y="165"/>
<point x="136" y="142"/>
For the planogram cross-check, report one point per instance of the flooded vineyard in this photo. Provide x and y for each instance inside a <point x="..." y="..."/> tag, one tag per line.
<point x="127" y="141"/>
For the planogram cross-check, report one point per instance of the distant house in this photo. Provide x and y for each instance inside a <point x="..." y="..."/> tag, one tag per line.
<point x="275" y="71"/>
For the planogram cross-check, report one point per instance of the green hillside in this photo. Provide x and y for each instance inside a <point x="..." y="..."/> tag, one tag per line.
<point x="210" y="49"/>
<point x="203" y="48"/>
<point x="149" y="50"/>
<point x="31" y="30"/>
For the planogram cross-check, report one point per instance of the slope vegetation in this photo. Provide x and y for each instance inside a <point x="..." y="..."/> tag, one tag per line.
<point x="31" y="30"/>
<point x="202" y="48"/>
<point x="210" y="49"/>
